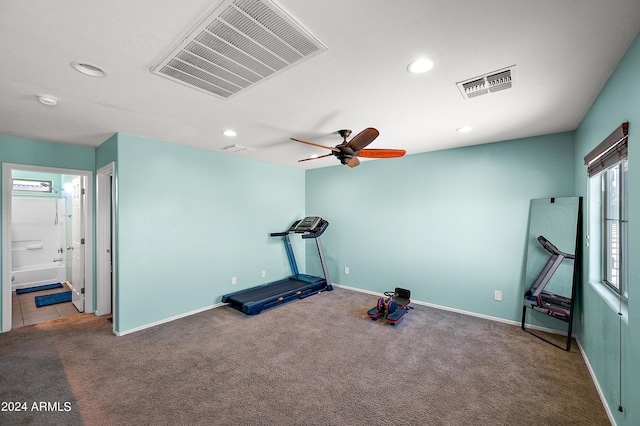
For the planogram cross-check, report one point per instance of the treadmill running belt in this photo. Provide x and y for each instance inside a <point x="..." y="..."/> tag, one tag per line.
<point x="269" y="290"/>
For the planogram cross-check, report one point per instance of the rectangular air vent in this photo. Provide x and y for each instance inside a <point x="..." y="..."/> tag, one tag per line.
<point x="488" y="83"/>
<point x="240" y="43"/>
<point x="236" y="148"/>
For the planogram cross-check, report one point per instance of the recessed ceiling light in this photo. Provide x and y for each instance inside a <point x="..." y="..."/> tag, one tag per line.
<point x="229" y="133"/>
<point x="88" y="69"/>
<point x="464" y="129"/>
<point x="47" y="100"/>
<point x="420" y="65"/>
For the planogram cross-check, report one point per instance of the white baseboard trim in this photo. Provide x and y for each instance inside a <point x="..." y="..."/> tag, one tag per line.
<point x="459" y="311"/>
<point x="173" y="318"/>
<point x="360" y="290"/>
<point x="594" y="379"/>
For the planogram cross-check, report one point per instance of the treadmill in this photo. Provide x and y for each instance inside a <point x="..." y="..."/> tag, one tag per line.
<point x="254" y="300"/>
<point x="552" y="303"/>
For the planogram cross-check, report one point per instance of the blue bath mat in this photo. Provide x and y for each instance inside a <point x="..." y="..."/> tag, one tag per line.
<point x="52" y="299"/>
<point x="38" y="288"/>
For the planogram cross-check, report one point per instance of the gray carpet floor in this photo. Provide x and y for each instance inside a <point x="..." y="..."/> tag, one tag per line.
<point x="316" y="361"/>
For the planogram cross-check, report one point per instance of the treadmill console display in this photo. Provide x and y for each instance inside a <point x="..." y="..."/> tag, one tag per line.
<point x="308" y="224"/>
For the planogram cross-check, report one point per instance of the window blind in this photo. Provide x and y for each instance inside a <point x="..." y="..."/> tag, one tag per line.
<point x="610" y="151"/>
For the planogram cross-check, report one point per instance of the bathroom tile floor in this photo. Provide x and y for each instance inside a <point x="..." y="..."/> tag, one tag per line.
<point x="25" y="312"/>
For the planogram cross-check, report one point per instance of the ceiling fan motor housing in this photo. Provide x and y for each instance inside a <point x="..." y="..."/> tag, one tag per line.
<point x="346" y="153"/>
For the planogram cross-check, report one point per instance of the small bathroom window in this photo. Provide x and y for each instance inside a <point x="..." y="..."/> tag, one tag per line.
<point x="30" y="185"/>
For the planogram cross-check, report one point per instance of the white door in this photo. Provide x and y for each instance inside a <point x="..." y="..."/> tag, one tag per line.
<point x="77" y="245"/>
<point x="105" y="203"/>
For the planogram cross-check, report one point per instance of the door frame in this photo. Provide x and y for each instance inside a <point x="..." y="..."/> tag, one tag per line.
<point x="78" y="247"/>
<point x="7" y="192"/>
<point x="106" y="203"/>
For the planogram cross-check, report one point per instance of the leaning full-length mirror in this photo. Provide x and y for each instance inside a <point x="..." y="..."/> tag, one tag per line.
<point x="552" y="263"/>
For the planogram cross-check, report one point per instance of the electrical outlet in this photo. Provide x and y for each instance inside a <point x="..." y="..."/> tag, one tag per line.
<point x="346" y="270"/>
<point x="234" y="281"/>
<point x="497" y="295"/>
<point x="264" y="274"/>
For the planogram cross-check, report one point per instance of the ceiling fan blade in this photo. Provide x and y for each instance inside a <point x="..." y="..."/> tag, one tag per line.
<point x="315" y="144"/>
<point x="381" y="153"/>
<point x="363" y="138"/>
<point x="353" y="162"/>
<point x="315" y="158"/>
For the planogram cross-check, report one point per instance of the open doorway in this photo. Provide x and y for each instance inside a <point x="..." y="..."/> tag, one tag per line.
<point x="33" y="247"/>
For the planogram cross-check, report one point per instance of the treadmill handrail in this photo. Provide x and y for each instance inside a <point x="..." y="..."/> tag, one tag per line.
<point x="314" y="233"/>
<point x="553" y="249"/>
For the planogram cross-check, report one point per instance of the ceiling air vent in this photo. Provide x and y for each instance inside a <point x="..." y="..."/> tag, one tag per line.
<point x="236" y="148"/>
<point x="240" y="43"/>
<point x="488" y="83"/>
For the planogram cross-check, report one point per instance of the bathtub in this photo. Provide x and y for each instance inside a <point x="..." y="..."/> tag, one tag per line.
<point x="35" y="275"/>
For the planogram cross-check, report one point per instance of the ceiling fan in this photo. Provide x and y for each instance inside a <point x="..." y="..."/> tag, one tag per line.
<point x="348" y="152"/>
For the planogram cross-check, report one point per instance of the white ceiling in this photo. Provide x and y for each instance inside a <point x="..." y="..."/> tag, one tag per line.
<point x="564" y="51"/>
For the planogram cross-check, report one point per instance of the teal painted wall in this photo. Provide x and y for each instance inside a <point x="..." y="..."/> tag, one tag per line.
<point x="46" y="154"/>
<point x="451" y="225"/>
<point x="600" y="336"/>
<point x="107" y="152"/>
<point x="189" y="220"/>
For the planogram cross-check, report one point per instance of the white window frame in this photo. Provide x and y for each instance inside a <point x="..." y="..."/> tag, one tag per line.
<point x="31" y="185"/>
<point x="614" y="228"/>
